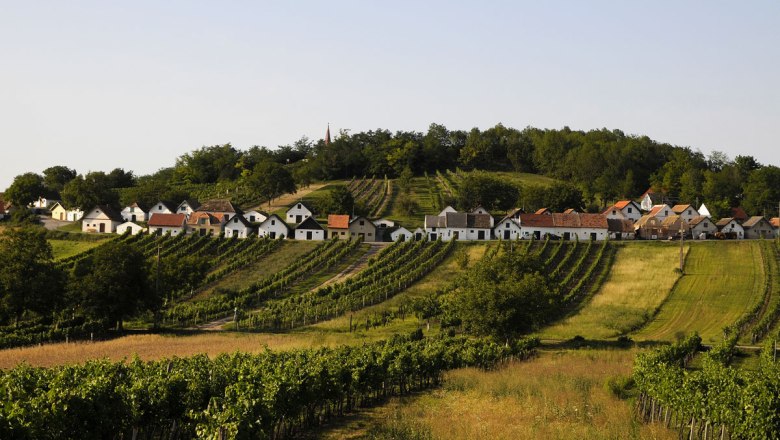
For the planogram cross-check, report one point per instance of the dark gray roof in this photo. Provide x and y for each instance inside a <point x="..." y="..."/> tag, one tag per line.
<point x="310" y="223"/>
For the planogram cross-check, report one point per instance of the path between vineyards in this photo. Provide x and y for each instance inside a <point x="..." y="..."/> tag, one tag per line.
<point x="288" y="199"/>
<point x="348" y="272"/>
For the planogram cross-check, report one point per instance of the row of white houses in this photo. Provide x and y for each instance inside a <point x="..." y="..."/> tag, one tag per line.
<point x="624" y="220"/>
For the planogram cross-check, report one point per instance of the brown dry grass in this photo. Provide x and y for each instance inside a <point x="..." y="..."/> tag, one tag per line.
<point x="559" y="395"/>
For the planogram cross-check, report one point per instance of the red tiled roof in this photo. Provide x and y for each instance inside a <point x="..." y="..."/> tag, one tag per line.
<point x="170" y="220"/>
<point x="575" y="220"/>
<point x="656" y="209"/>
<point x="570" y="211"/>
<point x="213" y="219"/>
<point x="622" y="204"/>
<point x="775" y="221"/>
<point x="679" y="209"/>
<point x="739" y="213"/>
<point x="338" y="221"/>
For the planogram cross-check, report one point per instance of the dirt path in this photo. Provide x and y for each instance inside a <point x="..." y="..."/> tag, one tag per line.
<point x="289" y="199"/>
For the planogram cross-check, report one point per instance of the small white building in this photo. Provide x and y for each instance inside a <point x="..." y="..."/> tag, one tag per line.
<point x="481" y="210"/>
<point x="624" y="210"/>
<point x="309" y="229"/>
<point x="384" y="223"/>
<point x="239" y="227"/>
<point x="160" y="207"/>
<point x="687" y="212"/>
<point x="419" y="234"/>
<point x="458" y="226"/>
<point x="102" y="219"/>
<point x="133" y="228"/>
<point x="135" y="213"/>
<point x="702" y="227"/>
<point x="447" y="209"/>
<point x="274" y="227"/>
<point x="730" y="227"/>
<point x="704" y="211"/>
<point x="298" y="213"/>
<point x="59" y="212"/>
<point x="172" y="224"/>
<point x="255" y="216"/>
<point x="401" y="234"/>
<point x="508" y="229"/>
<point x="187" y="207"/>
<point x="649" y="199"/>
<point x="758" y="227"/>
<point x="661" y="211"/>
<point x="43" y="203"/>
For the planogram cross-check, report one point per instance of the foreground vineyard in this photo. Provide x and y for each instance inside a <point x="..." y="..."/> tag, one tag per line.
<point x="270" y="395"/>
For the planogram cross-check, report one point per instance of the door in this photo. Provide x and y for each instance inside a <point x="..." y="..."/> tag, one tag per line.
<point x="433" y="237"/>
<point x="298" y="219"/>
<point x="308" y="235"/>
<point x="506" y="234"/>
<point x="567" y="236"/>
<point x="480" y="235"/>
<point x="102" y="227"/>
<point x="593" y="236"/>
<point x="62" y="215"/>
<point x="272" y="235"/>
<point x="132" y="218"/>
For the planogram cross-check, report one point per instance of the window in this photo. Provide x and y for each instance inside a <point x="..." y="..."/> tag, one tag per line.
<point x="273" y="222"/>
<point x="160" y="207"/>
<point x="369" y="234"/>
<point x="630" y="210"/>
<point x="299" y="206"/>
<point x="507" y="224"/>
<point x="362" y="223"/>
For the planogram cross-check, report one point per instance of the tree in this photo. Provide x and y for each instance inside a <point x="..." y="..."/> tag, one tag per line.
<point x="89" y="191"/>
<point x="271" y="180"/>
<point x="55" y="178"/>
<point x="482" y="189"/>
<point x="25" y="189"/>
<point x="119" y="178"/>
<point x="115" y="285"/>
<point x="29" y="280"/>
<point x="557" y="197"/>
<point x="208" y="165"/>
<point x="762" y="191"/>
<point x="338" y="201"/>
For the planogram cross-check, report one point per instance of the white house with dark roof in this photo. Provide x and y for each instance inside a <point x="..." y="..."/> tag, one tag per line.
<point x="508" y="228"/>
<point x="401" y="234"/>
<point x="298" y="213"/>
<point x="309" y="229"/>
<point x="702" y="227"/>
<point x="730" y="227"/>
<point x="187" y="207"/>
<point x="458" y="226"/>
<point x="239" y="227"/>
<point x="135" y="213"/>
<point x="103" y="219"/>
<point x="161" y="207"/>
<point x="687" y="212"/>
<point x="130" y="227"/>
<point x="273" y="227"/>
<point x="758" y="227"/>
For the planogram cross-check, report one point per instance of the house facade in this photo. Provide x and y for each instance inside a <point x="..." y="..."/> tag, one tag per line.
<point x="621" y="229"/>
<point x="273" y="227"/>
<point x="758" y="227"/>
<point x="338" y="226"/>
<point x="298" y="213"/>
<point x="687" y="212"/>
<point x="161" y="207"/>
<point x="135" y="213"/>
<point x="649" y="199"/>
<point x="673" y="226"/>
<point x="204" y="223"/>
<point x="458" y="226"/>
<point x="702" y="227"/>
<point x="101" y="219"/>
<point x="401" y="234"/>
<point x="363" y="229"/>
<point x="131" y="228"/>
<point x="255" y="216"/>
<point x="187" y="207"/>
<point x="565" y="226"/>
<point x="661" y="211"/>
<point x="309" y="229"/>
<point x="172" y="224"/>
<point x="648" y="227"/>
<point x="239" y="227"/>
<point x="624" y="209"/>
<point x="507" y="229"/>
<point x="58" y="212"/>
<point x="219" y="208"/>
<point x="730" y="228"/>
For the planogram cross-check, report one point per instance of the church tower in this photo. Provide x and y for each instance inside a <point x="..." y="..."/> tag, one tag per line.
<point x="327" y="135"/>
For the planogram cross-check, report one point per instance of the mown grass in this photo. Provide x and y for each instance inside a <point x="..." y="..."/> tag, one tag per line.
<point x="558" y="395"/>
<point x="421" y="195"/>
<point x="71" y="227"/>
<point x="67" y="248"/>
<point x="522" y="179"/>
<point x="638" y="282"/>
<point x="722" y="281"/>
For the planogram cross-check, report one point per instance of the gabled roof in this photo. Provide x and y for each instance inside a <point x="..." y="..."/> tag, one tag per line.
<point x="274" y="217"/>
<point x="238" y="219"/>
<point x="108" y="211"/>
<point x="672" y="219"/>
<point x="514" y="214"/>
<point x="481" y="221"/>
<point x="338" y="221"/>
<point x="570" y="211"/>
<point x="303" y="205"/>
<point x="658" y="208"/>
<point x="645" y="219"/>
<point x="775" y="221"/>
<point x="536" y="221"/>
<point x="620" y="225"/>
<point x="739" y="214"/>
<point x="167" y="220"/>
<point x="698" y="219"/>
<point x="560" y="220"/>
<point x="218" y="205"/>
<point x="456" y="220"/>
<point x="213" y="219"/>
<point x="542" y="211"/>
<point x="679" y="209"/>
<point x="191" y="203"/>
<point x="435" y="221"/>
<point x="368" y="222"/>
<point x="170" y="205"/>
<point x="753" y="221"/>
<point x="137" y="205"/>
<point x="724" y="221"/>
<point x="621" y="204"/>
<point x="55" y="205"/>
<point x="309" y="223"/>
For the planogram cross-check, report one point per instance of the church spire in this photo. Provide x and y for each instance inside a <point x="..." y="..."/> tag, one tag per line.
<point x="327" y="135"/>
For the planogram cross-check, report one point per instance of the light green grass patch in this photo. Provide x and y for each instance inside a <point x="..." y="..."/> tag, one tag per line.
<point x="639" y="280"/>
<point x="722" y="281"/>
<point x="68" y="248"/>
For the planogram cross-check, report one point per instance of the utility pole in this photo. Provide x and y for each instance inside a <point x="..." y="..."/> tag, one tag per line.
<point x="682" y="239"/>
<point x="157" y="286"/>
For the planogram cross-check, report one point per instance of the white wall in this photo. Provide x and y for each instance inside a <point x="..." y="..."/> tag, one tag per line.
<point x="300" y="234"/>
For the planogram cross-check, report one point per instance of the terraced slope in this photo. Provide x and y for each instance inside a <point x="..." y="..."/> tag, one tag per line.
<point x="722" y="281"/>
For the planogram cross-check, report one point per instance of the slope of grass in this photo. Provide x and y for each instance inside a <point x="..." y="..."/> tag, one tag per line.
<point x="638" y="282"/>
<point x="421" y="195"/>
<point x="558" y="395"/>
<point x="67" y="248"/>
<point x="722" y="281"/>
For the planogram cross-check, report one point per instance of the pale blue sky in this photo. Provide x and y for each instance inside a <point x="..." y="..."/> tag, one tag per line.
<point x="99" y="85"/>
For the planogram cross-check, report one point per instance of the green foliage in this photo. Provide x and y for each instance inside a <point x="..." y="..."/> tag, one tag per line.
<point x="483" y="189"/>
<point x="55" y="178"/>
<point x="208" y="165"/>
<point x="557" y="197"/>
<point x="88" y="191"/>
<point x="271" y="180"/>
<point x="25" y="189"/>
<point x="339" y="201"/>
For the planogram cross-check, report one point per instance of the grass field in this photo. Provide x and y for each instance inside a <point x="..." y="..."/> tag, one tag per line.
<point x="558" y="395"/>
<point x="722" y="281"/>
<point x="67" y="248"/>
<point x="639" y="280"/>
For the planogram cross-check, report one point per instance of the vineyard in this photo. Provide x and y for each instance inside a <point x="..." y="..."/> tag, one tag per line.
<point x="373" y="194"/>
<point x="272" y="395"/>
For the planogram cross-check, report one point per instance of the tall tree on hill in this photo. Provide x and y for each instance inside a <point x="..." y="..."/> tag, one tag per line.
<point x="762" y="191"/>
<point x="483" y="189"/>
<point x="56" y="177"/>
<point x="88" y="191"/>
<point x="29" y="280"/>
<point x="271" y="180"/>
<point x="208" y="165"/>
<point x="25" y="189"/>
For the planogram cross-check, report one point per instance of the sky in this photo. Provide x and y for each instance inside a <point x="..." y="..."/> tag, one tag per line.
<point x="134" y="85"/>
